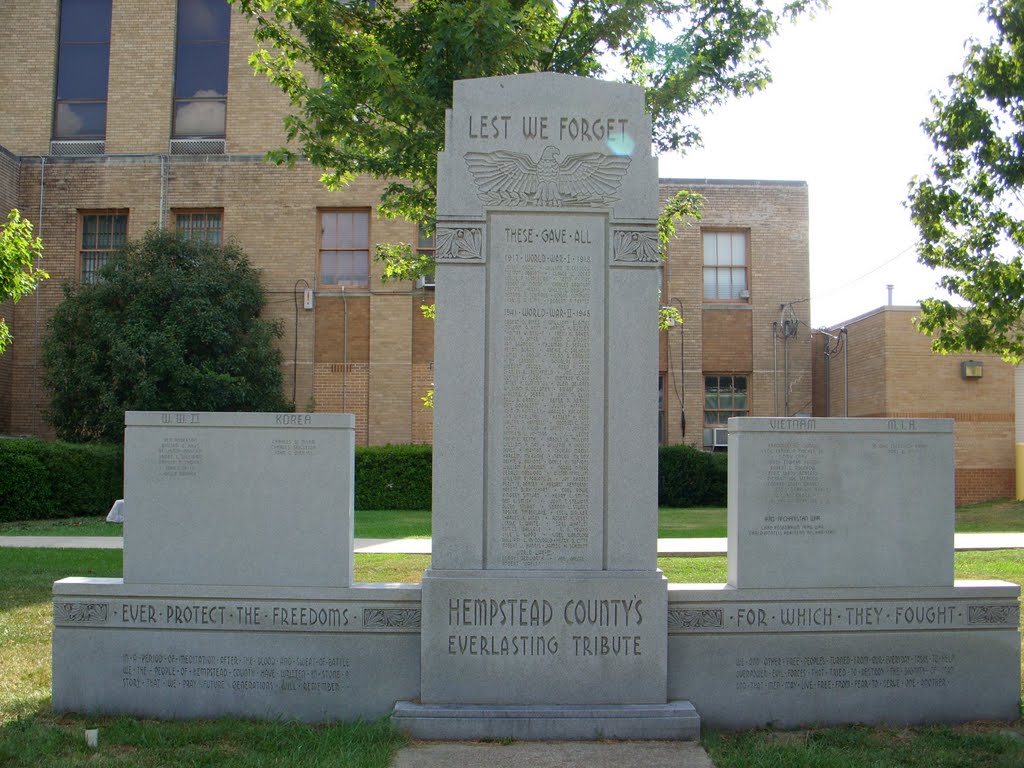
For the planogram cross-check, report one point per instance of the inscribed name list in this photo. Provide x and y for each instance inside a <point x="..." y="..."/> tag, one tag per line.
<point x="546" y="379"/>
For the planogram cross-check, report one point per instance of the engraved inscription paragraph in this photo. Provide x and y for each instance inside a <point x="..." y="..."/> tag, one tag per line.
<point x="547" y="343"/>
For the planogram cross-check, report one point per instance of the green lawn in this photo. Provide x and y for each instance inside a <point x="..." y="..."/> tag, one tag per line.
<point x="1003" y="516"/>
<point x="70" y="526"/>
<point x="30" y="735"/>
<point x="691" y="523"/>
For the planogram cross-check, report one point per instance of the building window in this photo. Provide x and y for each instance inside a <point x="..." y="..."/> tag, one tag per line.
<point x="199" y="225"/>
<point x="102" y="234"/>
<point x="725" y="266"/>
<point x="345" y="249"/>
<point x="724" y="397"/>
<point x="425" y="247"/>
<point x="662" y="423"/>
<point x="83" y="67"/>
<point x="201" y="69"/>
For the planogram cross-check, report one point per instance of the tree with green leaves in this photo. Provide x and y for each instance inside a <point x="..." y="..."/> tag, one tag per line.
<point x="370" y="81"/>
<point x="19" y="256"/>
<point x="171" y="325"/>
<point x="968" y="209"/>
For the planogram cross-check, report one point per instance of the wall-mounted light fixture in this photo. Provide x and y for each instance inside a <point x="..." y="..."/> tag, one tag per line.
<point x="972" y="369"/>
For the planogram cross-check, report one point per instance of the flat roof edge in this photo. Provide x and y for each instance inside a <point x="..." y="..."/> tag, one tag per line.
<point x="732" y="182"/>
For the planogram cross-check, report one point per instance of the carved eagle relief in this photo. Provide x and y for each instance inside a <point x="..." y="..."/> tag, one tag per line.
<point x="514" y="178"/>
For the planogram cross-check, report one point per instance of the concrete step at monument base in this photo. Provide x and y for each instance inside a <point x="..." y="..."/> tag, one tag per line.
<point x="677" y="720"/>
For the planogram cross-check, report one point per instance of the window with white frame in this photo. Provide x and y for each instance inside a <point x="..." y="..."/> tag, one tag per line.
<point x="726" y="266"/>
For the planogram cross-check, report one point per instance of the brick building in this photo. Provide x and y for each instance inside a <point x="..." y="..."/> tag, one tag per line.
<point x="133" y="114"/>
<point x="888" y="370"/>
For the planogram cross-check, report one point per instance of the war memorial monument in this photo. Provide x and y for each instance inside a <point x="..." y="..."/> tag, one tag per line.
<point x="543" y="613"/>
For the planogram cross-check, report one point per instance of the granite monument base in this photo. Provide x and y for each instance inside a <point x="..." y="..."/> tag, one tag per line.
<point x="172" y="652"/>
<point x="743" y="658"/>
<point x="794" y="657"/>
<point x="543" y="637"/>
<point x="676" y="720"/>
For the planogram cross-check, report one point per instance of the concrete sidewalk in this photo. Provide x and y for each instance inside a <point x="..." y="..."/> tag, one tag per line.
<point x="962" y="542"/>
<point x="554" y="754"/>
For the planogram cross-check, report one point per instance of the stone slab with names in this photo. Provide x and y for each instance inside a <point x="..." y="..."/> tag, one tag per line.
<point x="545" y="434"/>
<point x="840" y="502"/>
<point x="239" y="498"/>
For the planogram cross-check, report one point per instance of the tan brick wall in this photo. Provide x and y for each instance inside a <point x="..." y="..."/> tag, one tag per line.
<point x="28" y="45"/>
<point x="272" y="213"/>
<point x="858" y="370"/>
<point x="422" y="417"/>
<point x="9" y="195"/>
<point x="141" y="86"/>
<point x="728" y="341"/>
<point x="255" y="105"/>
<point x="422" y="369"/>
<point x="343" y="326"/>
<point x="390" y="369"/>
<point x="140" y="89"/>
<point x="340" y="388"/>
<point x="977" y="485"/>
<point x="894" y="373"/>
<point x="775" y="216"/>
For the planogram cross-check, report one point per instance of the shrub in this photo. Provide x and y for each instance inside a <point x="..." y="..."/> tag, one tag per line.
<point x="393" y="477"/>
<point x="688" y="477"/>
<point x="49" y="480"/>
<point x="85" y="479"/>
<point x="171" y="325"/>
<point x="41" y="480"/>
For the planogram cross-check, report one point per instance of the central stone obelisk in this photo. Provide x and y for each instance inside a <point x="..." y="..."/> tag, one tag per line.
<point x="544" y="614"/>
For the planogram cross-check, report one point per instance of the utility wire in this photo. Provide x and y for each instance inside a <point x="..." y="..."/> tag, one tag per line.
<point x="848" y="283"/>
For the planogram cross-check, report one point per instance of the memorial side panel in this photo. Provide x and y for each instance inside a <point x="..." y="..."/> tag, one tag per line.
<point x="545" y="471"/>
<point x="255" y="504"/>
<point x="840" y="502"/>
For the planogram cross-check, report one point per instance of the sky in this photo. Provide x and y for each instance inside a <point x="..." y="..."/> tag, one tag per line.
<point x="851" y="87"/>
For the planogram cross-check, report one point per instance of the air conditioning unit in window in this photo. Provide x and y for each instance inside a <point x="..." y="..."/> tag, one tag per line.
<point x="720" y="437"/>
<point x="425" y="281"/>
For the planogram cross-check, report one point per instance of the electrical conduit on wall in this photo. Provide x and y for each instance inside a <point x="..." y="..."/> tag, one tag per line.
<point x="1018" y="411"/>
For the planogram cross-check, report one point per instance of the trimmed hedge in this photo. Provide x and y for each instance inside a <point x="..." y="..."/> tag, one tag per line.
<point x="41" y="480"/>
<point x="688" y="477"/>
<point x="398" y="477"/>
<point x="393" y="477"/>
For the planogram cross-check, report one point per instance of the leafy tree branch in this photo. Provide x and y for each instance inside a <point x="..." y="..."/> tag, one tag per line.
<point x="19" y="252"/>
<point x="968" y="209"/>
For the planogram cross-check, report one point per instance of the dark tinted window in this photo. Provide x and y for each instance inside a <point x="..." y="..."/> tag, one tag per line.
<point x="201" y="68"/>
<point x="82" y="72"/>
<point x="85" y="21"/>
<point x="83" y="63"/>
